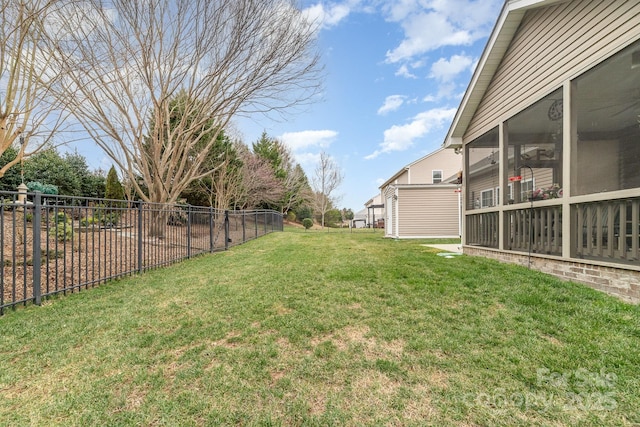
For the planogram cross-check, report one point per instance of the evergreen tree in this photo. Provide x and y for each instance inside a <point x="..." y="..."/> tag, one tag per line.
<point x="12" y="177"/>
<point x="113" y="187"/>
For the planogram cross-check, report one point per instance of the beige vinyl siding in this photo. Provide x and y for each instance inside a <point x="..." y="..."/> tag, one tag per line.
<point x="403" y="179"/>
<point x="445" y="160"/>
<point x="554" y="44"/>
<point x="481" y="183"/>
<point x="428" y="211"/>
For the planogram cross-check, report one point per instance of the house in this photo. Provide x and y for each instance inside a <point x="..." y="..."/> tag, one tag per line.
<point x="422" y="200"/>
<point x="549" y="128"/>
<point x="359" y="219"/>
<point x="374" y="212"/>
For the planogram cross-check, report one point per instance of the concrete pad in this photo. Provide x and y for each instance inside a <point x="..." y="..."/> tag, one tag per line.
<point x="455" y="247"/>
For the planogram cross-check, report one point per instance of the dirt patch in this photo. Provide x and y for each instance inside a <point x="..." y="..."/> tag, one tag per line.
<point x="231" y="340"/>
<point x="355" y="337"/>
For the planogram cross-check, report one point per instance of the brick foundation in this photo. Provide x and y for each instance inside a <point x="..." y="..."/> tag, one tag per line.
<point x="624" y="284"/>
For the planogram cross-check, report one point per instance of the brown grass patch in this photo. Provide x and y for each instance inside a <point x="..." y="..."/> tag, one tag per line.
<point x="553" y="340"/>
<point x="229" y="341"/>
<point x="280" y="309"/>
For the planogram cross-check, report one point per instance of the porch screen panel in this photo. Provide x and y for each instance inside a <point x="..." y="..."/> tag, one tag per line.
<point x="534" y="150"/>
<point x="607" y="99"/>
<point x="483" y="167"/>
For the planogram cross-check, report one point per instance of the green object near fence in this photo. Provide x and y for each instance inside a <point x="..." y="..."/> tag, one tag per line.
<point x="43" y="188"/>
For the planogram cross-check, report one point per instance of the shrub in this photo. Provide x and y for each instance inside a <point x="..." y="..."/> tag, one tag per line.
<point x="291" y="216"/>
<point x="60" y="218"/>
<point x="43" y="188"/>
<point x="85" y="222"/>
<point x="307" y="223"/>
<point x="63" y="231"/>
<point x="105" y="216"/>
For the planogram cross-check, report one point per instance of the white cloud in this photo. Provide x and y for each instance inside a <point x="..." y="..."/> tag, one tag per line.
<point x="329" y="15"/>
<point x="403" y="71"/>
<point x="429" y="25"/>
<point x="307" y="159"/>
<point x="425" y="32"/>
<point x="401" y="137"/>
<point x="391" y="103"/>
<point x="445" y="70"/>
<point x="308" y="138"/>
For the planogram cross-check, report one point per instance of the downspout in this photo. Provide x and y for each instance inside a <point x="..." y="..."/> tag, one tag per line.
<point x="397" y="213"/>
<point x="460" y="214"/>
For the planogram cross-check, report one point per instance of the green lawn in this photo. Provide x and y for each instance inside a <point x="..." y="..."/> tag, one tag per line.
<point x="325" y="328"/>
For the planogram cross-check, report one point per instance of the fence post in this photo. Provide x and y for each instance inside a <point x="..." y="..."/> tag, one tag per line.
<point x="211" y="226"/>
<point x="244" y="228"/>
<point x="266" y="219"/>
<point x="37" y="253"/>
<point x="189" y="231"/>
<point x="140" y="231"/>
<point x="256" y="223"/>
<point x="226" y="230"/>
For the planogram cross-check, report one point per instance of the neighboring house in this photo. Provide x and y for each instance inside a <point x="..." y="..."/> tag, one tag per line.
<point x="359" y="219"/>
<point x="550" y="131"/>
<point x="374" y="212"/>
<point x="422" y="200"/>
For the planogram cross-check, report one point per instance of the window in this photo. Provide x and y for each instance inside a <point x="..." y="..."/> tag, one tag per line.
<point x="436" y="176"/>
<point x="482" y="162"/>
<point x="607" y="103"/>
<point x="526" y="188"/>
<point x="486" y="200"/>
<point x="534" y="148"/>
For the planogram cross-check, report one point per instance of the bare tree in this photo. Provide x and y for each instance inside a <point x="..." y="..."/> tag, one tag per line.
<point x="327" y="178"/>
<point x="258" y="185"/>
<point x="28" y="115"/>
<point x="124" y="61"/>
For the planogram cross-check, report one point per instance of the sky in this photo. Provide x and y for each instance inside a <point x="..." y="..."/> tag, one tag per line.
<point x="396" y="71"/>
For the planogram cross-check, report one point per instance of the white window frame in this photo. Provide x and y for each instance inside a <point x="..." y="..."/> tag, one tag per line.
<point x="509" y="193"/>
<point x="482" y="198"/>
<point x="433" y="176"/>
<point x="524" y="194"/>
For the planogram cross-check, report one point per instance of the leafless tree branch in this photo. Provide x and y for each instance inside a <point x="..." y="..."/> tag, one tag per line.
<point x="124" y="61"/>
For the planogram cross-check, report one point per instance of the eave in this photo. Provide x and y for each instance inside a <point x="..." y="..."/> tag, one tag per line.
<point x="506" y="27"/>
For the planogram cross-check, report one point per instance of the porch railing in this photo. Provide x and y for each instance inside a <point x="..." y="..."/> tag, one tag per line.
<point x="608" y="230"/>
<point x="605" y="230"/>
<point x="57" y="244"/>
<point x="538" y="230"/>
<point x="482" y="229"/>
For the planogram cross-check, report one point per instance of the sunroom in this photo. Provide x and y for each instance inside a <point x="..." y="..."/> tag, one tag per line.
<point x="555" y="181"/>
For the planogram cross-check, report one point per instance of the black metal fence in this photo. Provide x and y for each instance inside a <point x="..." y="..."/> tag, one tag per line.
<point x="58" y="244"/>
